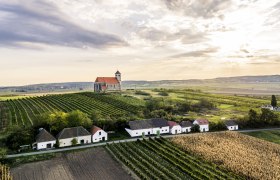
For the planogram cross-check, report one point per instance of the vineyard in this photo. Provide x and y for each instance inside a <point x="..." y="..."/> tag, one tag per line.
<point x="5" y="173"/>
<point x="160" y="159"/>
<point x="242" y="154"/>
<point x="24" y="111"/>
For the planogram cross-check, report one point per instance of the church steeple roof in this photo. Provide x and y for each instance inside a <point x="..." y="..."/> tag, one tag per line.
<point x="118" y="72"/>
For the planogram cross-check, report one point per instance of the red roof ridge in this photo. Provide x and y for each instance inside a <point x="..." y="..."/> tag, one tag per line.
<point x="94" y="129"/>
<point x="172" y="123"/>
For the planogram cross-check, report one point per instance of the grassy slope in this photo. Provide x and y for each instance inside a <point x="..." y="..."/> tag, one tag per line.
<point x="272" y="136"/>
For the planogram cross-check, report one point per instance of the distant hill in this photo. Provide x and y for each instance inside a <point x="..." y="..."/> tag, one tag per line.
<point x="79" y="86"/>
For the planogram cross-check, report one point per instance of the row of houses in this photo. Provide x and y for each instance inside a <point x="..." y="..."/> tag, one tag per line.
<point x="155" y="126"/>
<point x="159" y="126"/>
<point x="270" y="107"/>
<point x="68" y="137"/>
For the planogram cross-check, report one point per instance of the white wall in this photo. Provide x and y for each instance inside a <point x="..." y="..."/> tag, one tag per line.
<point x="186" y="129"/>
<point x="202" y="128"/>
<point x="67" y="142"/>
<point x="176" y="129"/>
<point x="138" y="132"/>
<point x="43" y="145"/>
<point x="232" y="128"/>
<point x="99" y="135"/>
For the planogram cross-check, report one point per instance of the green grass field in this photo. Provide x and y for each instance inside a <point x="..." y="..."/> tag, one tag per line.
<point x="228" y="106"/>
<point x="272" y="136"/>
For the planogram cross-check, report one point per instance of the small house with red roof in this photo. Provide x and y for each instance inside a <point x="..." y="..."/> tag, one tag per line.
<point x="103" y="84"/>
<point x="174" y="128"/>
<point x="98" y="134"/>
<point x="203" y="124"/>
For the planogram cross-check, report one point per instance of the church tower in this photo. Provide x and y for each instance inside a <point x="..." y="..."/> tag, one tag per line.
<point x="118" y="76"/>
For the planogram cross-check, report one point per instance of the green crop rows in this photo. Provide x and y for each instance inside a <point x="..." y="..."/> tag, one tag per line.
<point x="160" y="159"/>
<point x="24" y="111"/>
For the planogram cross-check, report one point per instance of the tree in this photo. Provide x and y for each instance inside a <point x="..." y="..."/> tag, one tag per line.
<point x="273" y="101"/>
<point x="19" y="136"/>
<point x="195" y="128"/>
<point x="57" y="121"/>
<point x="74" y="141"/>
<point x="267" y="117"/>
<point x="253" y="116"/>
<point x="78" y="118"/>
<point x="3" y="153"/>
<point x="57" y="144"/>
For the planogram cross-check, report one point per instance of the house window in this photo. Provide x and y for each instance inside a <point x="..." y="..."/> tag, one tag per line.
<point x="100" y="133"/>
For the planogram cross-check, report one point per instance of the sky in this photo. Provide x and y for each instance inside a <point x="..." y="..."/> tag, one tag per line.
<point x="45" y="41"/>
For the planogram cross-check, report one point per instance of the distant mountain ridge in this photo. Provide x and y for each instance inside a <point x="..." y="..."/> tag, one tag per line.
<point x="75" y="86"/>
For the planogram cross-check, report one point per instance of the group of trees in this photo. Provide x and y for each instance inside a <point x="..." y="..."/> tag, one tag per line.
<point x="161" y="108"/>
<point x="58" y="120"/>
<point x="265" y="118"/>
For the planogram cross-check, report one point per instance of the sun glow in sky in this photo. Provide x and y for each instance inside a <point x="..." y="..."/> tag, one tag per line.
<point x="77" y="40"/>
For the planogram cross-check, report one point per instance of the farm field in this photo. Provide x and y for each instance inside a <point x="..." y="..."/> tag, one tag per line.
<point x="23" y="111"/>
<point x="242" y="154"/>
<point x="90" y="164"/>
<point x="160" y="159"/>
<point x="272" y="136"/>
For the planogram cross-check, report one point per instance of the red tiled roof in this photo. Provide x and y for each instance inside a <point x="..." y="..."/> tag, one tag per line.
<point x="172" y="123"/>
<point x="107" y="80"/>
<point x="94" y="129"/>
<point x="202" y="121"/>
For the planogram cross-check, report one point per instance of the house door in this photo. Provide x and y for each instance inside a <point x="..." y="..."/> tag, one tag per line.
<point x="103" y="138"/>
<point x="82" y="141"/>
<point x="149" y="133"/>
<point x="49" y="146"/>
<point x="176" y="131"/>
<point x="203" y="129"/>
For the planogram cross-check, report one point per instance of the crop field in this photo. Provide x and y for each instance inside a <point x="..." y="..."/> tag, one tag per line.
<point x="272" y="136"/>
<point x="90" y="164"/>
<point x="23" y="111"/>
<point x="160" y="159"/>
<point x="5" y="173"/>
<point x="245" y="155"/>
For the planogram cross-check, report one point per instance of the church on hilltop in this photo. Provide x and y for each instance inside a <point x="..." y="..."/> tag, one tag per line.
<point x="103" y="84"/>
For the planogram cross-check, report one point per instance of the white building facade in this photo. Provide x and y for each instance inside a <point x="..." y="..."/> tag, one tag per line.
<point x="203" y="124"/>
<point x="98" y="134"/>
<point x="67" y="136"/>
<point x="231" y="125"/>
<point x="148" y="127"/>
<point x="44" y="140"/>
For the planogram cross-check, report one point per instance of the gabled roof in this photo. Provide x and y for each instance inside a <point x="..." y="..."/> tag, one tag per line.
<point x="94" y="129"/>
<point x="172" y="123"/>
<point x="230" y="123"/>
<point x="118" y="72"/>
<point x="186" y="124"/>
<point x="148" y="123"/>
<point x="202" y="121"/>
<point x="73" y="132"/>
<point x="107" y="80"/>
<point x="44" y="136"/>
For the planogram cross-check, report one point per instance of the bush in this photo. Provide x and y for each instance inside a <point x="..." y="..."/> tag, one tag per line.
<point x="163" y="93"/>
<point x="142" y="93"/>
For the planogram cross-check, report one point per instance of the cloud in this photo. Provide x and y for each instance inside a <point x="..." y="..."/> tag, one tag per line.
<point x="43" y="23"/>
<point x="187" y="36"/>
<point x="198" y="8"/>
<point x="200" y="53"/>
